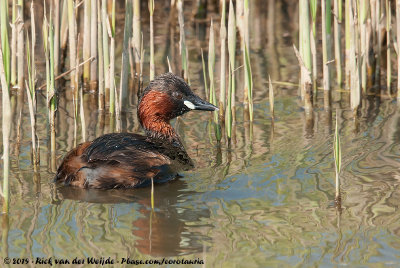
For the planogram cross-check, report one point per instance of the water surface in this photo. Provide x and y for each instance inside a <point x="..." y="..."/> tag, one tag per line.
<point x="267" y="200"/>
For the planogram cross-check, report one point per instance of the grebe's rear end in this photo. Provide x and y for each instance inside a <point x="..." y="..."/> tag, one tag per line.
<point x="126" y="160"/>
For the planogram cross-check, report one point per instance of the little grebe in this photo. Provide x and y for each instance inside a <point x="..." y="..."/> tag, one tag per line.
<point x="125" y="160"/>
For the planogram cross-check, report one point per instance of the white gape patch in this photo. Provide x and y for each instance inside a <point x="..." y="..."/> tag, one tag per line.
<point x="189" y="104"/>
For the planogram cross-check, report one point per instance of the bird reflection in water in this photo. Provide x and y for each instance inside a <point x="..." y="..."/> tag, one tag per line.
<point x="159" y="233"/>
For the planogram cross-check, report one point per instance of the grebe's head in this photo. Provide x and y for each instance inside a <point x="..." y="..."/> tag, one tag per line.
<point x="167" y="97"/>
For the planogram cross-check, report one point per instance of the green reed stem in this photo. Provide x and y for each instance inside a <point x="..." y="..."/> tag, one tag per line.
<point x="222" y="92"/>
<point x="204" y="73"/>
<point x="337" y="152"/>
<point x="13" y="25"/>
<point x="246" y="60"/>
<point x="152" y="193"/>
<point x="211" y="71"/>
<point x="6" y="129"/>
<point x="4" y="24"/>
<point x="56" y="19"/>
<point x="125" y="55"/>
<point x="231" y="51"/>
<point x="182" y="42"/>
<point x="326" y="32"/>
<point x="211" y="63"/>
<point x="249" y="81"/>
<point x="313" y="43"/>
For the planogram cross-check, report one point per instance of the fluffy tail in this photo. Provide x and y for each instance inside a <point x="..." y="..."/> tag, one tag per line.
<point x="71" y="164"/>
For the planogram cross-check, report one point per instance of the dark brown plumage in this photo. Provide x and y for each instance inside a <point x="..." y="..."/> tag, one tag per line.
<point x="126" y="160"/>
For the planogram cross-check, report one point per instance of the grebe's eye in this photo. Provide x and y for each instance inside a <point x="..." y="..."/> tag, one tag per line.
<point x="177" y="95"/>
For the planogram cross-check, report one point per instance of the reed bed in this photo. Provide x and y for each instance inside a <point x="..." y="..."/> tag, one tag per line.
<point x="92" y="63"/>
<point x="366" y="23"/>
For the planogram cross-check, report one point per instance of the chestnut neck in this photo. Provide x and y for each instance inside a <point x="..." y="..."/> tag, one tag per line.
<point x="154" y="112"/>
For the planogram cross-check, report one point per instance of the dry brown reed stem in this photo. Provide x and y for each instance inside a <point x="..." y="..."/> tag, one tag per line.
<point x="72" y="43"/>
<point x="56" y="19"/>
<point x="304" y="56"/>
<point x="20" y="44"/>
<point x="93" y="44"/>
<point x="246" y="45"/>
<point x="337" y="18"/>
<point x="240" y="20"/>
<point x="111" y="34"/>
<point x="64" y="26"/>
<point x="388" y="54"/>
<point x="151" y="11"/>
<point x="363" y="41"/>
<point x="86" y="39"/>
<point x="313" y="44"/>
<point x="379" y="38"/>
<point x="100" y="58"/>
<point x="211" y="64"/>
<point x="325" y="52"/>
<point x="182" y="41"/>
<point x="123" y="90"/>
<point x="347" y="41"/>
<point x="398" y="47"/>
<point x="82" y="115"/>
<point x="32" y="93"/>
<point x="271" y="97"/>
<point x="66" y="73"/>
<point x="6" y="130"/>
<point x="13" y="25"/>
<point x="136" y="41"/>
<point x="222" y="85"/>
<point x="51" y="95"/>
<point x="169" y="66"/>
<point x="307" y="82"/>
<point x="354" y="63"/>
<point x="33" y="40"/>
<point x="106" y="57"/>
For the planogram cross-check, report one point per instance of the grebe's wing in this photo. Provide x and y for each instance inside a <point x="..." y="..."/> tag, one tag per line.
<point x="124" y="160"/>
<point x="118" y="160"/>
